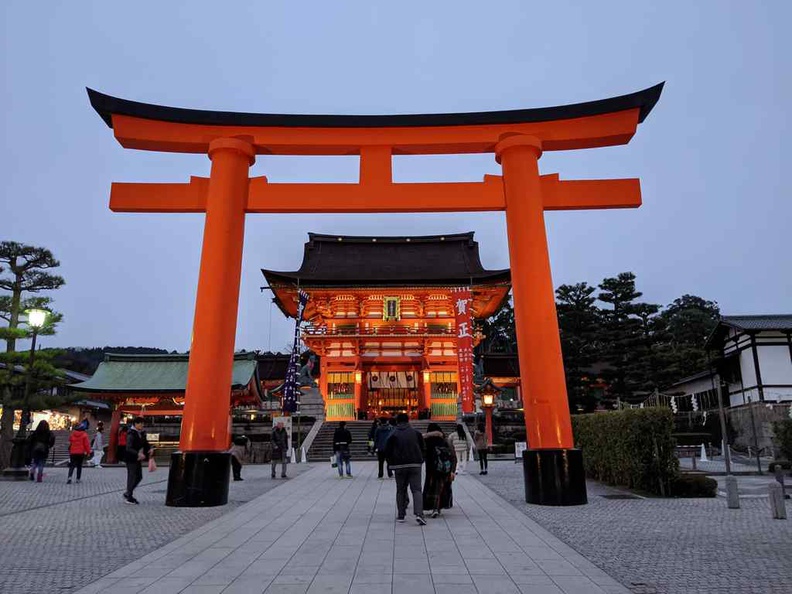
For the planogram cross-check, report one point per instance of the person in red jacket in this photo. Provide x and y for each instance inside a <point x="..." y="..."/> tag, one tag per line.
<point x="79" y="449"/>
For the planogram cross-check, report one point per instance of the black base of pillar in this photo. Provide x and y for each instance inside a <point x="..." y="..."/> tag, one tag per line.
<point x="198" y="479"/>
<point x="554" y="477"/>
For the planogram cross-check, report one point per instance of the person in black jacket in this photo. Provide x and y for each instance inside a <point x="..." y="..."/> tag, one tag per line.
<point x="137" y="450"/>
<point x="280" y="449"/>
<point x="404" y="452"/>
<point x="39" y="444"/>
<point x="342" y="439"/>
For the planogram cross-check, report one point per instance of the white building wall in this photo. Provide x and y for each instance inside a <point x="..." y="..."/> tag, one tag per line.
<point x="775" y="364"/>
<point x="747" y="369"/>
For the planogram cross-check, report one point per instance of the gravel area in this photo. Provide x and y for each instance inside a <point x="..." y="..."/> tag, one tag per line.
<point x="667" y="546"/>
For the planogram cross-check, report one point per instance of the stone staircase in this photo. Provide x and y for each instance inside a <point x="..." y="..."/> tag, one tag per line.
<point x="322" y="447"/>
<point x="59" y="453"/>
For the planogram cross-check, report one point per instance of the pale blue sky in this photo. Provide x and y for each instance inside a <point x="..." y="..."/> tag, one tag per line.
<point x="716" y="214"/>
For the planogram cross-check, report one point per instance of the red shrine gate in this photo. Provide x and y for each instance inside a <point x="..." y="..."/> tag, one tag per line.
<point x="199" y="474"/>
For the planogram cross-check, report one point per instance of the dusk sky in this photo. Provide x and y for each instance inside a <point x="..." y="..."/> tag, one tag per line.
<point x="717" y="208"/>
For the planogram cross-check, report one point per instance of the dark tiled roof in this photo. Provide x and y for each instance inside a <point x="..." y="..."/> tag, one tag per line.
<point x="338" y="260"/>
<point x="767" y="322"/>
<point x="106" y="106"/>
<point x="272" y="366"/>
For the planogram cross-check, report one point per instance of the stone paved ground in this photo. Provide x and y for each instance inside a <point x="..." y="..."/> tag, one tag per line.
<point x="56" y="537"/>
<point x="668" y="546"/>
<point x="319" y="534"/>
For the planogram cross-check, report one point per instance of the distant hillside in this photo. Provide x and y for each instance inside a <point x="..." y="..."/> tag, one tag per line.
<point x="84" y="360"/>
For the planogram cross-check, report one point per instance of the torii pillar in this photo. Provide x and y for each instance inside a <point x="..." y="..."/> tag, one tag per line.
<point x="199" y="473"/>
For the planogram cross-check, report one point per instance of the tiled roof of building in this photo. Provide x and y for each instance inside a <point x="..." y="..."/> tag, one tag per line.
<point x="339" y="260"/>
<point x="759" y="322"/>
<point x="156" y="373"/>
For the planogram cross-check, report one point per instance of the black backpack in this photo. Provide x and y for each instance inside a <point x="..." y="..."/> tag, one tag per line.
<point x="442" y="459"/>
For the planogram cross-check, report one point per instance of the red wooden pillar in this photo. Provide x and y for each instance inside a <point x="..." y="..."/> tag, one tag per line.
<point x="199" y="472"/>
<point x="553" y="468"/>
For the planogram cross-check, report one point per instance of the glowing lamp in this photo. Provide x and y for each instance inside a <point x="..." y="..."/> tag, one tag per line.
<point x="488" y="399"/>
<point x="426" y="377"/>
<point x="358" y="377"/>
<point x="36" y="317"/>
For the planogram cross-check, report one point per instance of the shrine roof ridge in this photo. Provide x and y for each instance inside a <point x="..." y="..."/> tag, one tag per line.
<point x="338" y="261"/>
<point x="106" y="106"/>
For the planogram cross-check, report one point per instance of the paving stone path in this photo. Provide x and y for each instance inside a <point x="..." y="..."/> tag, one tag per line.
<point x="319" y="533"/>
<point x="668" y="546"/>
<point x="56" y="537"/>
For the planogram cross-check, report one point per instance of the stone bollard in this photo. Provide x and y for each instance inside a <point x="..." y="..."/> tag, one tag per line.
<point x="732" y="496"/>
<point x="777" y="504"/>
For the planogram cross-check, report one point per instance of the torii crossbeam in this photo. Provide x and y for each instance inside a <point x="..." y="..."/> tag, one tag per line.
<point x="554" y="469"/>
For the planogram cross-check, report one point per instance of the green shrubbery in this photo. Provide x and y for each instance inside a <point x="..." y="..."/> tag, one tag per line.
<point x="630" y="448"/>
<point x="694" y="485"/>
<point x="783" y="437"/>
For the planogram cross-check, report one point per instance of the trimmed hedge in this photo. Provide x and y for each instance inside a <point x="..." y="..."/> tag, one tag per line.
<point x="694" y="485"/>
<point x="783" y="437"/>
<point x="631" y="448"/>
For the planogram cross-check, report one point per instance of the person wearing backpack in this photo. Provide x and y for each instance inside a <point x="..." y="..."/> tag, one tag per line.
<point x="40" y="442"/>
<point x="441" y="462"/>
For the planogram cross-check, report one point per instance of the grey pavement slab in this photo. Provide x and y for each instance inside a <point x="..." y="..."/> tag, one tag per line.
<point x="321" y="534"/>
<point x="56" y="537"/>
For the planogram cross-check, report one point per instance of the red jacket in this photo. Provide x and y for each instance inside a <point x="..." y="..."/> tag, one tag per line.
<point x="78" y="442"/>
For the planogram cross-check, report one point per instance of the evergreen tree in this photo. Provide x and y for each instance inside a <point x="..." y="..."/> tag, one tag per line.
<point x="23" y="271"/>
<point x="579" y="325"/>
<point x="623" y="336"/>
<point x="499" y="333"/>
<point x="688" y="322"/>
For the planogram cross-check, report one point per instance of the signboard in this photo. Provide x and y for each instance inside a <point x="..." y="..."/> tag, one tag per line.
<point x="391" y="309"/>
<point x="519" y="448"/>
<point x="152" y="436"/>
<point x="290" y="388"/>
<point x="464" y="325"/>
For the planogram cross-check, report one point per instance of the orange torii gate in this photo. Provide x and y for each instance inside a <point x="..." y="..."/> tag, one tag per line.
<point x="553" y="468"/>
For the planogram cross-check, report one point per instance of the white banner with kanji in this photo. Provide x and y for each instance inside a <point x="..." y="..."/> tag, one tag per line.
<point x="464" y="330"/>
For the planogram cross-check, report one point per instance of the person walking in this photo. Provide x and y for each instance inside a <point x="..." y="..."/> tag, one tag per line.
<point x="39" y="443"/>
<point x="440" y="468"/>
<point x="79" y="448"/>
<point x="280" y="447"/>
<point x="404" y="453"/>
<point x="482" y="445"/>
<point x="381" y="436"/>
<point x="123" y="428"/>
<point x="240" y="446"/>
<point x="370" y="445"/>
<point x="137" y="450"/>
<point x="459" y="443"/>
<point x="97" y="445"/>
<point x="342" y="440"/>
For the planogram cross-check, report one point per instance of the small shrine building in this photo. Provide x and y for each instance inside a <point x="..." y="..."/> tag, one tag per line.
<point x="380" y="316"/>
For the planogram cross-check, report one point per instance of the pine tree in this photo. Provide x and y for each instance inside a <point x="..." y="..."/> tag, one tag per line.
<point x="579" y="325"/>
<point x="23" y="271"/>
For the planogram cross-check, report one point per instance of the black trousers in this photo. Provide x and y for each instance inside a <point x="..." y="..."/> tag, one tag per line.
<point x="408" y="478"/>
<point x="76" y="461"/>
<point x="381" y="462"/>
<point x="236" y="467"/>
<point x="134" y="476"/>
<point x="483" y="459"/>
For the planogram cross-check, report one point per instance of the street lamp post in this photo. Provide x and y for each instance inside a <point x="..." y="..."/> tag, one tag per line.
<point x="17" y="470"/>
<point x="488" y="403"/>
